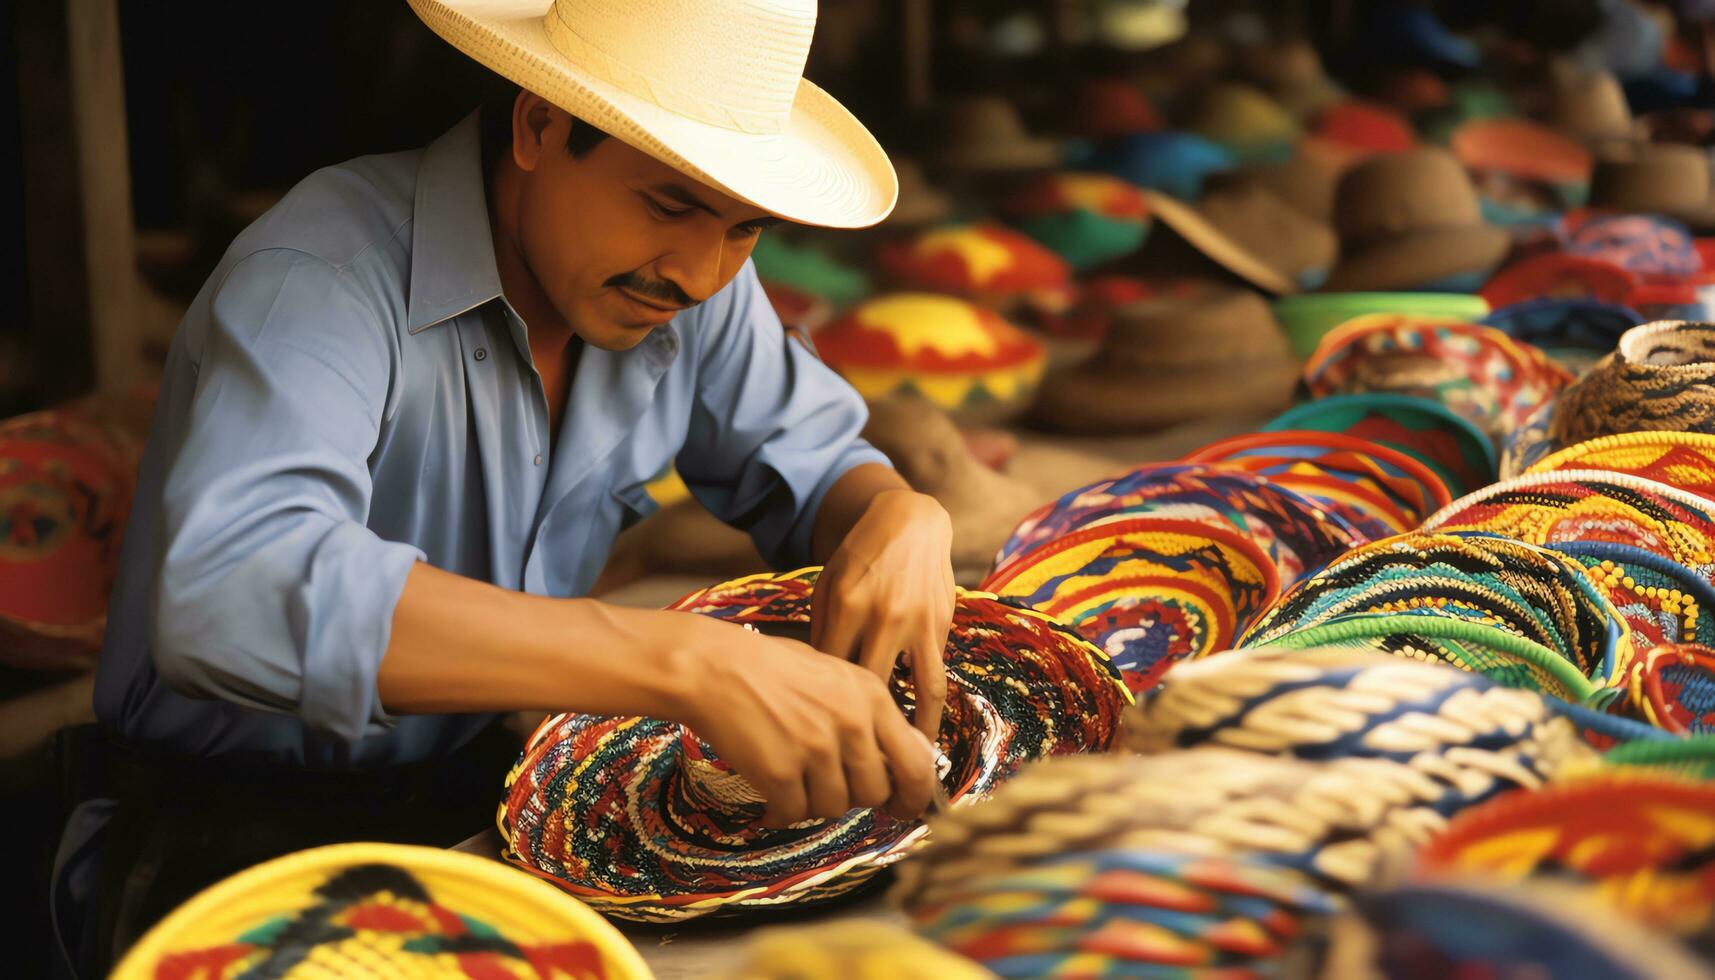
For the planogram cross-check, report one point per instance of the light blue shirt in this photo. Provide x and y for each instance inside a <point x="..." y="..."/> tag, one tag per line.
<point x="350" y="394"/>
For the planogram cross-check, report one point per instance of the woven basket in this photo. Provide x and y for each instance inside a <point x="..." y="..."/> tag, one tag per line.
<point x="1662" y="377"/>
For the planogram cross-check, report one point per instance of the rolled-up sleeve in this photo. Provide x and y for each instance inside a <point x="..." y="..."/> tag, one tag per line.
<point x="772" y="429"/>
<point x="272" y="593"/>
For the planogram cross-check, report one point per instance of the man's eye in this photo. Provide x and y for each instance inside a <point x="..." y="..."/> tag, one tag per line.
<point x="667" y="212"/>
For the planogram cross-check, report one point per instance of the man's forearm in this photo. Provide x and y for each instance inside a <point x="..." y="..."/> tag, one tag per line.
<point x="460" y="645"/>
<point x="846" y="501"/>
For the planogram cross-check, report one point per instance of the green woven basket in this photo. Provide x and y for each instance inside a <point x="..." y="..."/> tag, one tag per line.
<point x="1305" y="318"/>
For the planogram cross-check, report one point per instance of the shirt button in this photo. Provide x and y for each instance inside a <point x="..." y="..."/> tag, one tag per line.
<point x="538" y="459"/>
<point x="482" y="353"/>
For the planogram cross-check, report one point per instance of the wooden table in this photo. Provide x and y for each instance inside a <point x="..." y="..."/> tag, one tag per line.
<point x="702" y="948"/>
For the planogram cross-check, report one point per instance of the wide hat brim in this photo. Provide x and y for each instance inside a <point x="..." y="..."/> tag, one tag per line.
<point x="1215" y="243"/>
<point x="1418" y="257"/>
<point x="1091" y="398"/>
<point x="823" y="169"/>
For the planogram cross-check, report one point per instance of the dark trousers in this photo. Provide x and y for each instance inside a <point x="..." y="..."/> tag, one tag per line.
<point x="183" y="825"/>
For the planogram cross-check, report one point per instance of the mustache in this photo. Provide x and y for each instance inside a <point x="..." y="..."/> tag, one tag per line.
<point x="661" y="291"/>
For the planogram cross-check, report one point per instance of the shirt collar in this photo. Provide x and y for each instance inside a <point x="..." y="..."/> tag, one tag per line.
<point x="452" y="249"/>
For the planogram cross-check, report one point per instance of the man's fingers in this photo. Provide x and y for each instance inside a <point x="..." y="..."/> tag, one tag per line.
<point x="879" y="650"/>
<point x="929" y="681"/>
<point x="826" y="781"/>
<point x="867" y="777"/>
<point x="836" y="625"/>
<point x="786" y="802"/>
<point x="910" y="762"/>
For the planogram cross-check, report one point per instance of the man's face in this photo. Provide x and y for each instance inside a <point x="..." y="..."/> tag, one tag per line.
<point x="619" y="242"/>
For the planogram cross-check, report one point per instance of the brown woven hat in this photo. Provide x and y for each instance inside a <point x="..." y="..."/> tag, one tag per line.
<point x="920" y="203"/>
<point x="1660" y="378"/>
<point x="1668" y="179"/>
<point x="1406" y="219"/>
<point x="1591" y="107"/>
<point x="986" y="133"/>
<point x="1250" y="231"/>
<point x="1292" y="72"/>
<point x="1215" y="350"/>
<point x="1306" y="180"/>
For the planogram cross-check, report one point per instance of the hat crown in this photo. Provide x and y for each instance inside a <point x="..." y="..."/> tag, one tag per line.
<point x="734" y="64"/>
<point x="1658" y="177"/>
<point x="1399" y="192"/>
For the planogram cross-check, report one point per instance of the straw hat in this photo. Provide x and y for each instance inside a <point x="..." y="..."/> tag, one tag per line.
<point x="1292" y="72"/>
<point x="1243" y="118"/>
<point x="1591" y="108"/>
<point x="712" y="88"/>
<point x="1668" y="179"/>
<point x="1109" y="107"/>
<point x="1522" y="149"/>
<point x="1408" y="219"/>
<point x="1169" y="360"/>
<point x="1251" y="232"/>
<point x="985" y="133"/>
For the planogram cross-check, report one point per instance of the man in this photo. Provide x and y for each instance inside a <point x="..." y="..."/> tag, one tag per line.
<point x="406" y="416"/>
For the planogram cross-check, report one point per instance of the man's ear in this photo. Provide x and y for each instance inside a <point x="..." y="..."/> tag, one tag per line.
<point x="537" y="125"/>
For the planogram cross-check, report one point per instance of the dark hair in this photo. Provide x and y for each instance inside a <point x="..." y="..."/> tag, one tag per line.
<point x="496" y="125"/>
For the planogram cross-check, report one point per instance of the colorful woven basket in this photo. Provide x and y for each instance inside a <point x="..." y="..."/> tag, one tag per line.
<point x="66" y="481"/>
<point x="985" y="261"/>
<point x="1447" y="442"/>
<point x="1282" y="456"/>
<point x="1644" y="244"/>
<point x="1127" y="913"/>
<point x="961" y="356"/>
<point x="639" y="818"/>
<point x="1505" y="658"/>
<point x="1330" y="703"/>
<point x="1148" y="591"/>
<point x="1337" y="820"/>
<point x="1430" y="930"/>
<point x="1477" y="371"/>
<point x="1087" y="219"/>
<point x="1680" y="459"/>
<point x="1692" y="757"/>
<point x="1529" y="591"/>
<point x="1591" y="505"/>
<point x="1292" y="530"/>
<point x="1575" y="332"/>
<point x="1659" y="379"/>
<point x="1308" y="317"/>
<point x="1662" y="600"/>
<point x="1644" y="839"/>
<point x="1674" y="687"/>
<point x="1557" y="275"/>
<point x="381" y="910"/>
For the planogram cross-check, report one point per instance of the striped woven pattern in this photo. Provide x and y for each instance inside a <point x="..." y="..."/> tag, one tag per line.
<point x="639" y="818"/>
<point x="1660" y="378"/>
<point x="1679" y="459"/>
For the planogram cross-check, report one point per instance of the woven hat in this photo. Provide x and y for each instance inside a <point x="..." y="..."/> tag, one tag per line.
<point x="1459" y="453"/>
<point x="1338" y="821"/>
<point x="1087" y="219"/>
<point x="1523" y="149"/>
<point x="1476" y="926"/>
<point x="1591" y="107"/>
<point x="656" y="828"/>
<point x="1668" y="179"/>
<point x="920" y="202"/>
<point x="981" y="260"/>
<point x="1675" y="688"/>
<point x="1247" y="230"/>
<point x="932" y="456"/>
<point x="1685" y="460"/>
<point x="1244" y="119"/>
<point x="1291" y="71"/>
<point x="1560" y="275"/>
<point x="1175" y="359"/>
<point x="985" y="134"/>
<point x="657" y="76"/>
<point x="1331" y="703"/>
<point x="1562" y="506"/>
<point x="66" y="481"/>
<point x="1306" y="179"/>
<point x="1477" y="371"/>
<point x="1305" y="460"/>
<point x="1659" y="378"/>
<point x="1109" y="107"/>
<point x="1364" y="128"/>
<point x="381" y="910"/>
<point x="1125" y="913"/>
<point x="1645" y="245"/>
<point x="1149" y="591"/>
<point x="963" y="357"/>
<point x="1663" y="601"/>
<point x="1309" y="316"/>
<point x="1573" y="332"/>
<point x="1409" y="219"/>
<point x="1171" y="162"/>
<point x="1643" y="837"/>
<point x="1295" y="532"/>
<point x="1529" y="591"/>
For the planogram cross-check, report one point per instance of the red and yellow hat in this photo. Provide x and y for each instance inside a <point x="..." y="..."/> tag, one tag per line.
<point x="981" y="259"/>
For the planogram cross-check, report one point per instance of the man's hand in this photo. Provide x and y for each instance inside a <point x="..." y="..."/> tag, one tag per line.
<point x="814" y="735"/>
<point x="888" y="589"/>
